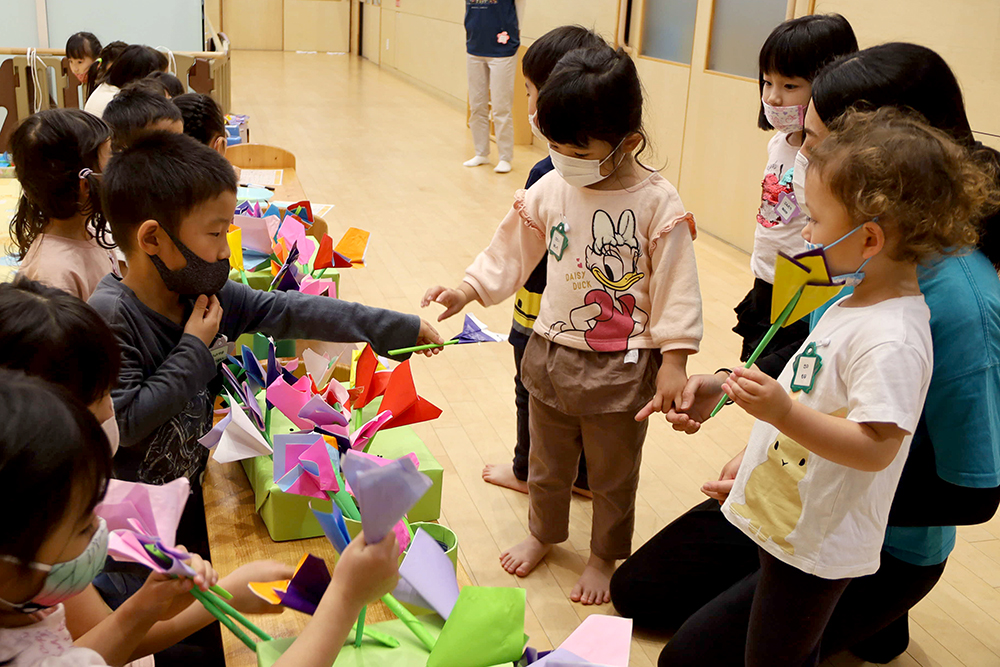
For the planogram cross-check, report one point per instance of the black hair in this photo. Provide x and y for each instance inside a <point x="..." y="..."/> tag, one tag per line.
<point x="83" y="45"/>
<point x="50" y="150"/>
<point x="801" y="48"/>
<point x="134" y="62"/>
<point x="132" y="111"/>
<point x="150" y="85"/>
<point x="54" y="457"/>
<point x="592" y="94"/>
<point x="544" y="53"/>
<point x="203" y="117"/>
<point x="909" y="77"/>
<point x="51" y="334"/>
<point x="98" y="71"/>
<point x="186" y="174"/>
<point x="171" y="84"/>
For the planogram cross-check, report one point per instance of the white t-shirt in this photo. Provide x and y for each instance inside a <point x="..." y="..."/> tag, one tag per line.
<point x="45" y="644"/>
<point x="100" y="98"/>
<point x="822" y="517"/>
<point x="776" y="232"/>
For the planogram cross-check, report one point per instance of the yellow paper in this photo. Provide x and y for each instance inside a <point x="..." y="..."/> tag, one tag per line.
<point x="809" y="272"/>
<point x="266" y="590"/>
<point x="354" y="245"/>
<point x="235" y="239"/>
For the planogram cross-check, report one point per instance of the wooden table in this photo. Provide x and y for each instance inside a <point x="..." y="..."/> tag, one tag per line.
<point x="237" y="536"/>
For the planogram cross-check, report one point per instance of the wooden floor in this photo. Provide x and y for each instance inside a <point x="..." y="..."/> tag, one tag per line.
<point x="389" y="156"/>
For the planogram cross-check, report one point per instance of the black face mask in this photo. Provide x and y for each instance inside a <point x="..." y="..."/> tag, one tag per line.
<point x="197" y="277"/>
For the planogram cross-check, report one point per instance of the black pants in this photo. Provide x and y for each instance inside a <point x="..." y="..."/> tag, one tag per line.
<point x="523" y="445"/>
<point x="753" y="319"/>
<point x="701" y="556"/>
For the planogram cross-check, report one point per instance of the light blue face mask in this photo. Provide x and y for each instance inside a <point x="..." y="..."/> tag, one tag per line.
<point x="849" y="279"/>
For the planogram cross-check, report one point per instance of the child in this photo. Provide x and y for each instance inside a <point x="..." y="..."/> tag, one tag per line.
<point x="539" y="61"/>
<point x="886" y="192"/>
<point x="621" y="297"/>
<point x="791" y="57"/>
<point x="177" y="304"/>
<point x="50" y="334"/>
<point x="82" y="49"/>
<point x="203" y="120"/>
<point x="171" y="84"/>
<point x="492" y="37"/>
<point x="135" y="111"/>
<point x="59" y="228"/>
<point x="98" y="70"/>
<point x="55" y="545"/>
<point x="134" y="62"/>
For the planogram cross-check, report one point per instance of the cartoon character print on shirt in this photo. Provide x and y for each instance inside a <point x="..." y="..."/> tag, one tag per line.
<point x="773" y="505"/>
<point x="771" y="190"/>
<point x="609" y="316"/>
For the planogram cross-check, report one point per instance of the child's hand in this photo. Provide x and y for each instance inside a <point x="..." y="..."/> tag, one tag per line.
<point x="261" y="570"/>
<point x="720" y="489"/>
<point x="204" y="321"/>
<point x="428" y="335"/>
<point x="453" y="300"/>
<point x="366" y="572"/>
<point x="700" y="396"/>
<point x="670" y="381"/>
<point x="759" y="394"/>
<point x="164" y="596"/>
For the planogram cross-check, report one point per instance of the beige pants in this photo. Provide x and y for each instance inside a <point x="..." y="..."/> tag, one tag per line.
<point x="492" y="80"/>
<point x="612" y="443"/>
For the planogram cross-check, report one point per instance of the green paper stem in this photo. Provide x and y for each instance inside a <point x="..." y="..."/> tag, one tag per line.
<point x="409" y="528"/>
<point x="418" y="348"/>
<point x="243" y="275"/>
<point x="221" y="592"/>
<point x="226" y="608"/>
<point x="411" y="621"/>
<point x="380" y="637"/>
<point x="267" y="421"/>
<point x="343" y="500"/>
<point x="360" y="627"/>
<point x="778" y="323"/>
<point x="222" y="618"/>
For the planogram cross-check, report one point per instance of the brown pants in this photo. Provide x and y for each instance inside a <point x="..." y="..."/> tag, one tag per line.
<point x="612" y="444"/>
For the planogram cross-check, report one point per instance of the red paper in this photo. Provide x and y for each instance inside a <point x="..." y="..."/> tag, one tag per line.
<point x="402" y="401"/>
<point x="371" y="383"/>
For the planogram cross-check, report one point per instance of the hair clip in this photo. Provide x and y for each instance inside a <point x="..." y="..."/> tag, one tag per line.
<point x="98" y="60"/>
<point x="85" y="172"/>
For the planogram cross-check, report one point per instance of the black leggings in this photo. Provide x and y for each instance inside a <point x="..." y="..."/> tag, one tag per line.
<point x="701" y="556"/>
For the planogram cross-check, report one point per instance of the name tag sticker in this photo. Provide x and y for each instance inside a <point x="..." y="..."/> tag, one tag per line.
<point x="787" y="208"/>
<point x="219" y="349"/>
<point x="558" y="241"/>
<point x="806" y="369"/>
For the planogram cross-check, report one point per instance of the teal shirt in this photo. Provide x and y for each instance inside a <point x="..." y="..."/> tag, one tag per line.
<point x="962" y="412"/>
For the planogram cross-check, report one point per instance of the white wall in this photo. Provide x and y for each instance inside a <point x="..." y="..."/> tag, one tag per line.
<point x="175" y="24"/>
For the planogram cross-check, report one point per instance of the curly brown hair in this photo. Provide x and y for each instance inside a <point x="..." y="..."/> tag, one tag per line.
<point x="926" y="191"/>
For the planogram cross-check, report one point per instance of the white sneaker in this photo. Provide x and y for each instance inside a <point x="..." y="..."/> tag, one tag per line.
<point x="476" y="161"/>
<point x="502" y="167"/>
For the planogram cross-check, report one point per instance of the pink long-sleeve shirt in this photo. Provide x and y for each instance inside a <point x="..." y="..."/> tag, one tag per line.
<point x="621" y="269"/>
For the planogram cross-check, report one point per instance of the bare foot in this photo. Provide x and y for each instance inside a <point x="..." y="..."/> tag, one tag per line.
<point x="503" y="475"/>
<point x="522" y="558"/>
<point x="594" y="585"/>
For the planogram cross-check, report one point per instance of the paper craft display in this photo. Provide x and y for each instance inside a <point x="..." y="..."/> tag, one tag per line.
<point x="485" y="628"/>
<point x="427" y="576"/>
<point x="368" y="378"/>
<point x="801" y="285"/>
<point x="385" y="493"/>
<point x="600" y="639"/>
<point x="306" y="469"/>
<point x="303" y="591"/>
<point x="401" y="399"/>
<point x="475" y="331"/>
<point x="235" y="437"/>
<point x="354" y="245"/>
<point x="144" y="514"/>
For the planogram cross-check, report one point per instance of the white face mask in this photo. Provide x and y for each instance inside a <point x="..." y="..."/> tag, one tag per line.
<point x="110" y="428"/>
<point x="785" y="119"/>
<point x="533" y="122"/>
<point x="799" y="181"/>
<point x="580" y="172"/>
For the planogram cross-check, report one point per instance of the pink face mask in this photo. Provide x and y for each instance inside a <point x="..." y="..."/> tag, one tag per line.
<point x="785" y="119"/>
